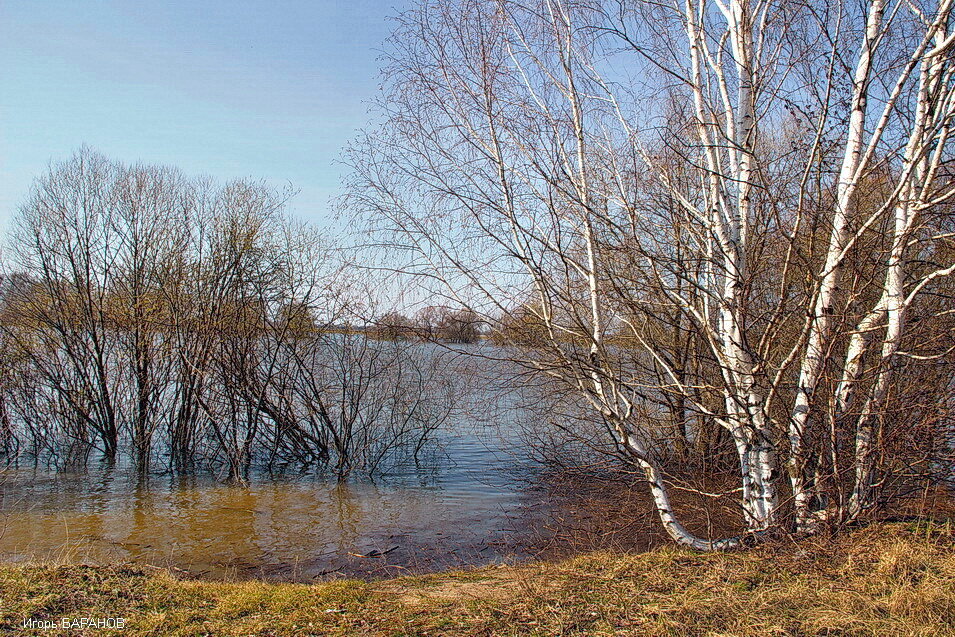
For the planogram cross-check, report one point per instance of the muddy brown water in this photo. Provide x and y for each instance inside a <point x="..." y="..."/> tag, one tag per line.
<point x="466" y="504"/>
<point x="310" y="529"/>
<point x="466" y="508"/>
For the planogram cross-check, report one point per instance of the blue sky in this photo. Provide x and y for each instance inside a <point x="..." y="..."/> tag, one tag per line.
<point x="237" y="88"/>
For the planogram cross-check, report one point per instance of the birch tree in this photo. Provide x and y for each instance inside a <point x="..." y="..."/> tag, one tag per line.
<point x="761" y="183"/>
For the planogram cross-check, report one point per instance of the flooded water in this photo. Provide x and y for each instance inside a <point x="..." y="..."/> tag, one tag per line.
<point x="464" y="507"/>
<point x="475" y="499"/>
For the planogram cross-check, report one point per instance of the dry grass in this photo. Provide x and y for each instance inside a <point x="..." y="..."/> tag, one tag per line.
<point x="889" y="580"/>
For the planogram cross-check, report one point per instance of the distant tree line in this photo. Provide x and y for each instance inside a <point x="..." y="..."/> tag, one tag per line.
<point x="431" y="323"/>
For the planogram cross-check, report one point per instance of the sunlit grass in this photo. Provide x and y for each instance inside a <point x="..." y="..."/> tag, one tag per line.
<point x="889" y="580"/>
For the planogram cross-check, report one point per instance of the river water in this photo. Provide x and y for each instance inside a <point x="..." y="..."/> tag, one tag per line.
<point x="463" y="507"/>
<point x="466" y="504"/>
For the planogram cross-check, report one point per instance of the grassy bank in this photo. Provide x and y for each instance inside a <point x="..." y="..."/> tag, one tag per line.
<point x="889" y="580"/>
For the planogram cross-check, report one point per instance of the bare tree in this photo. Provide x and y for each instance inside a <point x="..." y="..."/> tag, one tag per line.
<point x="725" y="213"/>
<point x="394" y="326"/>
<point x="161" y="316"/>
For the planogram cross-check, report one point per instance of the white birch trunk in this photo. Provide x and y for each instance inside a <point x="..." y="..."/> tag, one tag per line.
<point x="813" y="361"/>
